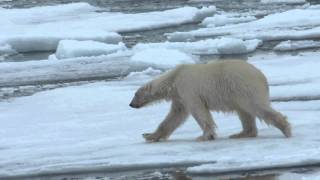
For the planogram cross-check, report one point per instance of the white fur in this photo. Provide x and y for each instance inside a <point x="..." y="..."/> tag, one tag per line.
<point x="227" y="86"/>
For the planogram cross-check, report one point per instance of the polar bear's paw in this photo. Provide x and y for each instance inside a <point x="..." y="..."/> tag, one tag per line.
<point x="243" y="134"/>
<point x="207" y="137"/>
<point x="151" y="137"/>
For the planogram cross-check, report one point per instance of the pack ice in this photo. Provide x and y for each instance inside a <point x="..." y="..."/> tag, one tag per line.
<point x="41" y="28"/>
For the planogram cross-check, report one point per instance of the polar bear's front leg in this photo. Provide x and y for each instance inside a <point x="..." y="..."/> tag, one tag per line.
<point x="174" y="119"/>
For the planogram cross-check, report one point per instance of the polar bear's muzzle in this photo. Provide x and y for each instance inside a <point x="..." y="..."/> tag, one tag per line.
<point x="134" y="105"/>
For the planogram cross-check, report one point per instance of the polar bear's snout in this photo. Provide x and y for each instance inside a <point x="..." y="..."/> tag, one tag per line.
<point x="136" y="102"/>
<point x="133" y="105"/>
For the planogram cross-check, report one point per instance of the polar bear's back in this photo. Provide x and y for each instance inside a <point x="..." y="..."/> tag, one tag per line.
<point x="224" y="85"/>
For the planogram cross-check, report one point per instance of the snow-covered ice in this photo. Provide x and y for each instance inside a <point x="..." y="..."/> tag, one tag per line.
<point x="41" y="28"/>
<point x="87" y="67"/>
<point x="300" y="176"/>
<point x="166" y="58"/>
<point x="292" y="24"/>
<point x="73" y="48"/>
<point x="224" y="19"/>
<point x="82" y="68"/>
<point x="296" y="45"/>
<point x="90" y="127"/>
<point x="207" y="46"/>
<point x="6" y="49"/>
<point x="299" y="69"/>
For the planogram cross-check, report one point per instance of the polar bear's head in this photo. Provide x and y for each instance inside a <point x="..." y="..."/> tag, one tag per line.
<point x="143" y="96"/>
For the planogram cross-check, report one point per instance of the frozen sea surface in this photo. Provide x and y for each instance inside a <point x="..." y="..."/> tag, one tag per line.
<point x="86" y="128"/>
<point x="76" y="116"/>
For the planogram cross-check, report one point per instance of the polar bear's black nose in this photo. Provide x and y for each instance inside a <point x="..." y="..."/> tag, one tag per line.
<point x="133" y="105"/>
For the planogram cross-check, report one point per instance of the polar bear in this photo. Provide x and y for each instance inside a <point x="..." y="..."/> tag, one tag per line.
<point x="225" y="86"/>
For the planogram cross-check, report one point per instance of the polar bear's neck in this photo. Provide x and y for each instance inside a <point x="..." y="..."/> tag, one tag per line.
<point x="163" y="85"/>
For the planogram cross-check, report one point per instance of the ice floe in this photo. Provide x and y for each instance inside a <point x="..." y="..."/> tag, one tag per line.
<point x="91" y="127"/>
<point x="83" y="68"/>
<point x="142" y="75"/>
<point x="298" y="69"/>
<point x="166" y="58"/>
<point x="6" y="49"/>
<point x="312" y="175"/>
<point x="224" y="19"/>
<point x="296" y="45"/>
<point x="291" y="77"/>
<point x="207" y="46"/>
<point x="292" y="24"/>
<point x="73" y="48"/>
<point x="77" y="127"/>
<point x="41" y="28"/>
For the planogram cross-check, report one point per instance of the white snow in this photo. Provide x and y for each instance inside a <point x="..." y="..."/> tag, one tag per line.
<point x="207" y="46"/>
<point x="41" y="28"/>
<point x="283" y="1"/>
<point x="86" y="68"/>
<point x="224" y="19"/>
<point x="299" y="69"/>
<point x="6" y="49"/>
<point x="142" y="75"/>
<point x="91" y="127"/>
<point x="73" y="48"/>
<point x="48" y="41"/>
<point x="163" y="57"/>
<point x="300" y="176"/>
<point x="295" y="45"/>
<point x="292" y="24"/>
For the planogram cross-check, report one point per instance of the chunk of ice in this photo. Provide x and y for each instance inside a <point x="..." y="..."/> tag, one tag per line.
<point x="73" y="48"/>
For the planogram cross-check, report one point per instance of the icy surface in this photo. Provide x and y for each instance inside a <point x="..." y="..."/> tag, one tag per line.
<point x="91" y="127"/>
<point x="300" y="176"/>
<point x="295" y="45"/>
<point x="6" y="49"/>
<point x="41" y="28"/>
<point x="292" y="24"/>
<point x="299" y="69"/>
<point x="208" y="46"/>
<point x="163" y="57"/>
<point x="83" y="68"/>
<point x="222" y="19"/>
<point x="73" y="48"/>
